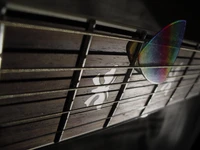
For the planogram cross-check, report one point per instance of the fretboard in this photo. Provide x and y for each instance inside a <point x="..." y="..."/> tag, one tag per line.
<point x="63" y="78"/>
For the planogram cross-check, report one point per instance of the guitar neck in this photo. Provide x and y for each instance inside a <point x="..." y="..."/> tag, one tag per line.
<point x="44" y="106"/>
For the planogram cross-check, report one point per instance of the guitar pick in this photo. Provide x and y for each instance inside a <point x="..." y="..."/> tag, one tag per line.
<point x="162" y="50"/>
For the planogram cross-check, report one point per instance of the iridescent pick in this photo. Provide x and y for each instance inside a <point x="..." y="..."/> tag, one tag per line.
<point x="162" y="50"/>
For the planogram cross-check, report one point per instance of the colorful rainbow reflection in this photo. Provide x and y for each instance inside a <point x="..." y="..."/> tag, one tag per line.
<point x="162" y="50"/>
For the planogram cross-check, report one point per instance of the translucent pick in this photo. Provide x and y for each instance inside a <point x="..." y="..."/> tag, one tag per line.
<point x="162" y="50"/>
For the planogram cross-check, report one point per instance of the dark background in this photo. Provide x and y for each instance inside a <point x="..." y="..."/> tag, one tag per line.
<point x="147" y="14"/>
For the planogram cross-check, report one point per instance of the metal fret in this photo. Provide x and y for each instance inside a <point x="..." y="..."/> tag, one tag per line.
<point x="75" y="80"/>
<point x="126" y="79"/>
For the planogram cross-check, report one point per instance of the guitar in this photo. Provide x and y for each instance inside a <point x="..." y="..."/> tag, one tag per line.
<point x="66" y="78"/>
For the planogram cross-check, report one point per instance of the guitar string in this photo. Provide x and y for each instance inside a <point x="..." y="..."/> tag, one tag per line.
<point x="62" y="30"/>
<point x="181" y="48"/>
<point x="72" y="89"/>
<point x="3" y="71"/>
<point x="112" y="67"/>
<point x="131" y="119"/>
<point x="78" y="109"/>
<point x="58" y="114"/>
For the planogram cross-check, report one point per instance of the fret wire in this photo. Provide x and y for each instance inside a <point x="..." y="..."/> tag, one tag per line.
<point x="127" y="77"/>
<point x="61" y="113"/>
<point x="45" y="28"/>
<point x="90" y="68"/>
<point x="72" y="89"/>
<point x="149" y="98"/>
<point x="82" y="58"/>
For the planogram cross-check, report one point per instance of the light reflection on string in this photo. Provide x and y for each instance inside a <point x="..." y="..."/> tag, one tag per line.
<point x="134" y="118"/>
<point x="72" y="89"/>
<point x="3" y="71"/>
<point x="127" y="100"/>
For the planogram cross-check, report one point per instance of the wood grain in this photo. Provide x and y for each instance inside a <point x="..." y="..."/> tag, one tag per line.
<point x="156" y="98"/>
<point x="35" y="98"/>
<point x="26" y="131"/>
<point x="31" y="143"/>
<point x="137" y="91"/>
<point x="29" y="110"/>
<point x="33" y="86"/>
<point x="138" y="83"/>
<point x="37" y="60"/>
<point x="185" y="53"/>
<point x="180" y="93"/>
<point x="134" y="103"/>
<point x="195" y="91"/>
<point x="82" y="130"/>
<point x="106" y="60"/>
<point x="30" y="38"/>
<point x="36" y="75"/>
<point x="124" y="117"/>
<point x="87" y="117"/>
<point x="108" y="45"/>
<point x="102" y="72"/>
<point x="196" y="61"/>
<point x="197" y="55"/>
<point x="155" y="106"/>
